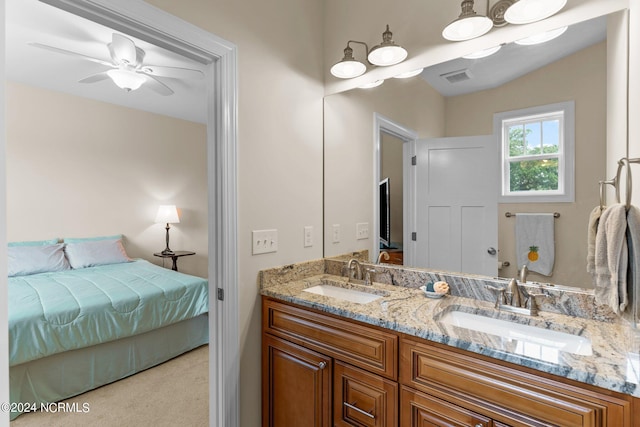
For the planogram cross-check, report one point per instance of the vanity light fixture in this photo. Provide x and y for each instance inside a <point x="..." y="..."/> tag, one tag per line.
<point x="469" y="24"/>
<point x="408" y="74"/>
<point x="371" y="85"/>
<point x="483" y="53"/>
<point x="542" y="37"/>
<point x="385" y="54"/>
<point x="528" y="11"/>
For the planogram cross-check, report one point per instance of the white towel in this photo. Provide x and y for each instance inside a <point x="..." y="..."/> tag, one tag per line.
<point x="594" y="218"/>
<point x="633" y="276"/>
<point x="535" y="242"/>
<point x="611" y="257"/>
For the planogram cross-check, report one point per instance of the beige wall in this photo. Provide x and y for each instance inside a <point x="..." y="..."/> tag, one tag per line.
<point x="78" y="168"/>
<point x="348" y="158"/>
<point x="580" y="77"/>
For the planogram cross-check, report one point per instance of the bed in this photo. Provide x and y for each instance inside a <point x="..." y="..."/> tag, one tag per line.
<point x="77" y="329"/>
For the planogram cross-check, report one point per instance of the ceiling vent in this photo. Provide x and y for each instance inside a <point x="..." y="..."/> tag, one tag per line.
<point x="457" y="76"/>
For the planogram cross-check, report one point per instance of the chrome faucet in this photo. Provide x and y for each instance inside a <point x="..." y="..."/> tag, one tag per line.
<point x="515" y="298"/>
<point x="354" y="269"/>
<point x="523" y="274"/>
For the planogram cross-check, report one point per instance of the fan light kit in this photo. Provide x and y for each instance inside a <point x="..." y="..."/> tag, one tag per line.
<point x="127" y="68"/>
<point x="385" y="54"/>
<point x="470" y="25"/>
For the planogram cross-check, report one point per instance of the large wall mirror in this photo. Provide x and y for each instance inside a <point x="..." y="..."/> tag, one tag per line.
<point x="458" y="100"/>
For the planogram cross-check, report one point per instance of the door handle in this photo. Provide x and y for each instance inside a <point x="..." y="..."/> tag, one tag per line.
<point x="492" y="251"/>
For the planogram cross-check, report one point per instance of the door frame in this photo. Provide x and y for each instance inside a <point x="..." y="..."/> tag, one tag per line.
<point x="406" y="135"/>
<point x="139" y="19"/>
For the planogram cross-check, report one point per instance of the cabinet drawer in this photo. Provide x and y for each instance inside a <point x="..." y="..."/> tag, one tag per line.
<point x="422" y="410"/>
<point x="506" y="394"/>
<point x="368" y="348"/>
<point x="363" y="399"/>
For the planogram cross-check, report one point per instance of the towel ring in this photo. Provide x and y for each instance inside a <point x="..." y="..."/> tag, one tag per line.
<point x="625" y="161"/>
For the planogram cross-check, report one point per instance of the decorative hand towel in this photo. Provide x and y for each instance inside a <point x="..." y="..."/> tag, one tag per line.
<point x="535" y="243"/>
<point x="633" y="276"/>
<point x="594" y="218"/>
<point x="611" y="259"/>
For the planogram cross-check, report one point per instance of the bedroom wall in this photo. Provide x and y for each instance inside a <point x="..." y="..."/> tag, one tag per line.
<point x="78" y="168"/>
<point x="556" y="82"/>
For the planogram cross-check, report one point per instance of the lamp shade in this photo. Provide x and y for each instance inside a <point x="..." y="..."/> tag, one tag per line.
<point x="348" y="67"/>
<point x="388" y="52"/>
<point x="469" y="24"/>
<point x="167" y="214"/>
<point x="528" y="11"/>
<point x="542" y="37"/>
<point x="125" y="79"/>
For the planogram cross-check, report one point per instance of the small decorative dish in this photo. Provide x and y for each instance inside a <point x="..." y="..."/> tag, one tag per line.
<point x="428" y="294"/>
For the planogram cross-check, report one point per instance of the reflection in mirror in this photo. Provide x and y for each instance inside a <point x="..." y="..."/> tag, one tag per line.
<point x="80" y="168"/>
<point x="569" y="68"/>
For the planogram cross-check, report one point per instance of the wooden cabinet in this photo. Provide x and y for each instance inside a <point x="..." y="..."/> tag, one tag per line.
<point x="422" y="410"/>
<point x="363" y="399"/>
<point x="296" y="385"/>
<point x="322" y="370"/>
<point x="300" y="350"/>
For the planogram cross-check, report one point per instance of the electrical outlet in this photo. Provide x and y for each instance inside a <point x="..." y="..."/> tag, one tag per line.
<point x="362" y="230"/>
<point x="308" y="236"/>
<point x="335" y="233"/>
<point x="264" y="241"/>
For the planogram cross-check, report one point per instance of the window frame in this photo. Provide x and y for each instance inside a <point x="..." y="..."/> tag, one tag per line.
<point x="565" y="155"/>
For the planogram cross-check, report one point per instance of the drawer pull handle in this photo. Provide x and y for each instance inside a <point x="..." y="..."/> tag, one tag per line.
<point x="355" y="408"/>
<point x="322" y="365"/>
<point x="479" y="425"/>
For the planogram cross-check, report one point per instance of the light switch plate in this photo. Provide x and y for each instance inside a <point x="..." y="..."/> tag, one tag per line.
<point x="335" y="233"/>
<point x="362" y="230"/>
<point x="308" y="236"/>
<point x="264" y="241"/>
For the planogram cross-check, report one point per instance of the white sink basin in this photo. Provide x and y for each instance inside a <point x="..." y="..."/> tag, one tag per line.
<point x="344" y="293"/>
<point x="532" y="341"/>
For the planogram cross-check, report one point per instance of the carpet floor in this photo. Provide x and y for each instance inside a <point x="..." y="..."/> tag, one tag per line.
<point x="175" y="393"/>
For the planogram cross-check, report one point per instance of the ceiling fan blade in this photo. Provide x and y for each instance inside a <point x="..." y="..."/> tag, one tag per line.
<point x="68" y="52"/>
<point x="122" y="49"/>
<point x="95" y="78"/>
<point x="173" y="72"/>
<point x="157" y="86"/>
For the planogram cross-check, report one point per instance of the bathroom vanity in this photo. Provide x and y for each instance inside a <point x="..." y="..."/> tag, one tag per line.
<point x="406" y="360"/>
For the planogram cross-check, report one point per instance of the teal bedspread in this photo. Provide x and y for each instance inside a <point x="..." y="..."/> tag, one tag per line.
<point x="51" y="313"/>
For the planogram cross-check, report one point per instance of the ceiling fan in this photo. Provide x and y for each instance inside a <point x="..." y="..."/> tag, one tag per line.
<point x="127" y="69"/>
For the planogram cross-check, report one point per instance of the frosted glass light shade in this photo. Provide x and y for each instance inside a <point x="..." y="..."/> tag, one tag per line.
<point x="347" y="69"/>
<point x="371" y="85"/>
<point x="542" y="37"/>
<point x="409" y="74"/>
<point x="467" y="28"/>
<point x="387" y="55"/>
<point x="483" y="53"/>
<point x="167" y="214"/>
<point x="528" y="11"/>
<point x="127" y="80"/>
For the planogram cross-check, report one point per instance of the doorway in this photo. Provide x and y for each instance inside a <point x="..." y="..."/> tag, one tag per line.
<point x="139" y="19"/>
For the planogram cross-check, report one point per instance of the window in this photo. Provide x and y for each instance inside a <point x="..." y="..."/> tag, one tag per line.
<point x="537" y="153"/>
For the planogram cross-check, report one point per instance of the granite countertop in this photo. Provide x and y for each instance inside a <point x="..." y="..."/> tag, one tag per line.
<point x="608" y="363"/>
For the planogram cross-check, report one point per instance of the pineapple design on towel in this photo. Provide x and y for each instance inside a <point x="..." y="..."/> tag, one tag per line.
<point x="533" y="253"/>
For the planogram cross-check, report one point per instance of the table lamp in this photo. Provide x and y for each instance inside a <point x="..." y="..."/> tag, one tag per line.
<point x="167" y="214"/>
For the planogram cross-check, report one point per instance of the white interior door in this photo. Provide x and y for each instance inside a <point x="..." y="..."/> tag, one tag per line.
<point x="457" y="204"/>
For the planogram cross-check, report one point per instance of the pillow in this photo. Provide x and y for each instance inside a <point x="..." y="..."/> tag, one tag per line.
<point x="92" y="239"/>
<point x="95" y="252"/>
<point x="33" y="243"/>
<point x="24" y="260"/>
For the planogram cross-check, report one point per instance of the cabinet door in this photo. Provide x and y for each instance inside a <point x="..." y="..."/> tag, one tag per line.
<point x="296" y="385"/>
<point x="363" y="399"/>
<point x="422" y="410"/>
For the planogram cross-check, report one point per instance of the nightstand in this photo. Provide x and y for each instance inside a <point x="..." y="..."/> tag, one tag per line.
<point x="174" y="257"/>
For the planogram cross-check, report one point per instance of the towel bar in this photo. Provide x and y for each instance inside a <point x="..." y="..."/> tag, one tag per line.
<point x="509" y="214"/>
